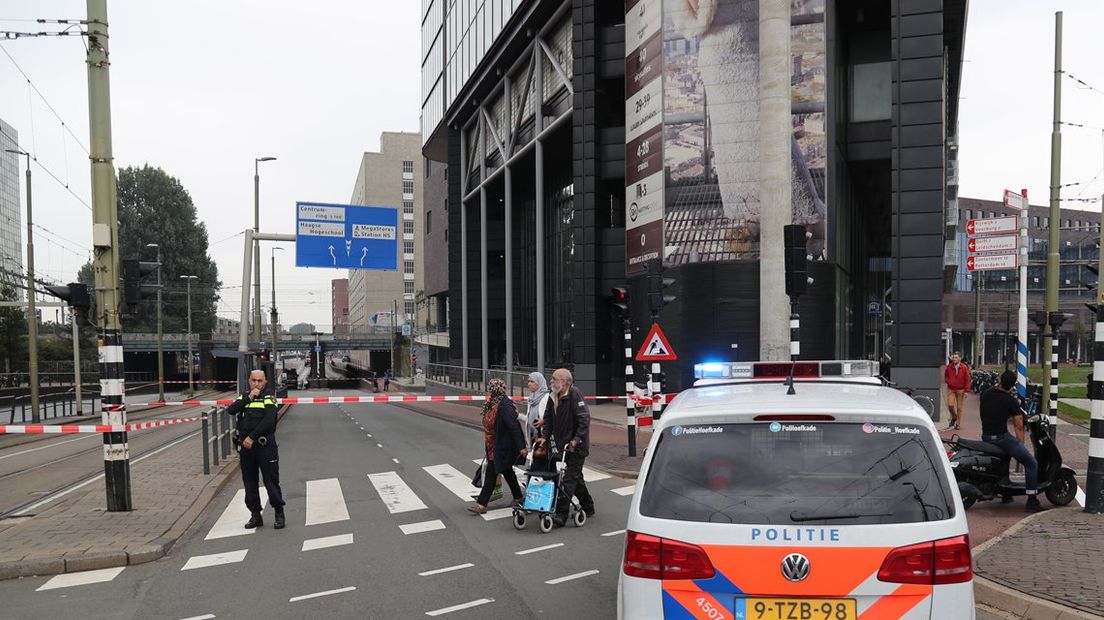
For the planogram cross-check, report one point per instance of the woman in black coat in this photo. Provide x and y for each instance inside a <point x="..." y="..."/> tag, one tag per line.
<point x="503" y="442"/>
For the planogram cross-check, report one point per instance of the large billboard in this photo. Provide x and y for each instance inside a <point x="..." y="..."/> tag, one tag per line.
<point x="709" y="131"/>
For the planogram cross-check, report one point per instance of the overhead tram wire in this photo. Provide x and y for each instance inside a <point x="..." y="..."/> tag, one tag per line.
<point x="1082" y="83"/>
<point x="44" y="100"/>
<point x="55" y="177"/>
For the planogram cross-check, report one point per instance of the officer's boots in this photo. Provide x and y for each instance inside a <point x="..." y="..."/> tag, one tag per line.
<point x="279" y="517"/>
<point x="254" y="521"/>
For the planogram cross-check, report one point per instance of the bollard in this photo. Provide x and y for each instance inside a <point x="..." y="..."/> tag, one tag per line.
<point x="226" y="437"/>
<point x="206" y="464"/>
<point x="215" y="454"/>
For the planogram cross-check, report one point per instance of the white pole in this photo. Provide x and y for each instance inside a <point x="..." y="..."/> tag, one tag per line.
<point x="1021" y="316"/>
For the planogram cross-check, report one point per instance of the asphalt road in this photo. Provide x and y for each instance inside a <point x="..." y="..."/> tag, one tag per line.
<point x="353" y="476"/>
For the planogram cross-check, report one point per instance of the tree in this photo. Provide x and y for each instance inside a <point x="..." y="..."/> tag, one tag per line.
<point x="155" y="208"/>
<point x="301" y="329"/>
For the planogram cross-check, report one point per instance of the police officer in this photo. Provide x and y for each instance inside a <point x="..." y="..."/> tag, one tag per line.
<point x="256" y="438"/>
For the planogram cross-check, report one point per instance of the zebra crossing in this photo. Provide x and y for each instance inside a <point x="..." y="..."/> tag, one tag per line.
<point x="325" y="503"/>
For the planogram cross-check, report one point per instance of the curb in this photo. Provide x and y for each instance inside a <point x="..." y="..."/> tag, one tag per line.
<point x="152" y="551"/>
<point x="1023" y="605"/>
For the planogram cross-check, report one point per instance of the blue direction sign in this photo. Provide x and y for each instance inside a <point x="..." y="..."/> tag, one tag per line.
<point x="346" y="236"/>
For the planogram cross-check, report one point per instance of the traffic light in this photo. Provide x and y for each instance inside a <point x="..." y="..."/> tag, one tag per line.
<point x="1057" y="318"/>
<point x="1039" y="318"/>
<point x="797" y="259"/>
<point x="656" y="285"/>
<point x="134" y="290"/>
<point x="76" y="294"/>
<point x="621" y="300"/>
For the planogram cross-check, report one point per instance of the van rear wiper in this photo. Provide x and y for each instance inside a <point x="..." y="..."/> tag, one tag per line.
<point x="800" y="517"/>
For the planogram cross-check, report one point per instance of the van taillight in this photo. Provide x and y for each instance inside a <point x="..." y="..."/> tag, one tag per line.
<point x="651" y="557"/>
<point x="931" y="563"/>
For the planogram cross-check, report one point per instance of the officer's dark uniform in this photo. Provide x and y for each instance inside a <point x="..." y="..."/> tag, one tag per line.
<point x="256" y="419"/>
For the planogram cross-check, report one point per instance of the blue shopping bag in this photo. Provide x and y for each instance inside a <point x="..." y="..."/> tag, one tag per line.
<point x="538" y="494"/>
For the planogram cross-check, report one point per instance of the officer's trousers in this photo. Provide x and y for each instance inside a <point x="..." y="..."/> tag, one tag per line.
<point x="264" y="460"/>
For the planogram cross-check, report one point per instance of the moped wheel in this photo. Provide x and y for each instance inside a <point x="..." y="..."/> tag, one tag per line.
<point x="519" y="520"/>
<point x="1062" y="489"/>
<point x="545" y="524"/>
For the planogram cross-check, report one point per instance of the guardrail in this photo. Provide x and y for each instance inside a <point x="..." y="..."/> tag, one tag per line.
<point x="475" y="379"/>
<point x="50" y="406"/>
<point x="215" y="428"/>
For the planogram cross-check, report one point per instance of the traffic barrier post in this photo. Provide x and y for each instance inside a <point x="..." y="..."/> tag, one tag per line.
<point x="206" y="445"/>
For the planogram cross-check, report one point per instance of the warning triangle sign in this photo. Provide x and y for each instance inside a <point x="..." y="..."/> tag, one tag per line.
<point x="656" y="348"/>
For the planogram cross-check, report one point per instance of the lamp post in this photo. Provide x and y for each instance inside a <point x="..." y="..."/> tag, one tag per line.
<point x="191" y="386"/>
<point x="275" y="315"/>
<point x="160" y="337"/>
<point x="257" y="246"/>
<point x="32" y="317"/>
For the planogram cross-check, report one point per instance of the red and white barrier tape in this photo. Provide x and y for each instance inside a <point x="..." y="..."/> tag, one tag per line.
<point x="31" y="429"/>
<point x="400" y="398"/>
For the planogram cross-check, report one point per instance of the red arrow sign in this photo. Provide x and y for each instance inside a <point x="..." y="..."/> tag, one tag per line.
<point x="971" y="245"/>
<point x="970" y="227"/>
<point x="970" y="263"/>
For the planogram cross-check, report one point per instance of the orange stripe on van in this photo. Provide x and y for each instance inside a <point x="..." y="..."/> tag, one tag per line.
<point x="834" y="571"/>
<point x="687" y="593"/>
<point x="898" y="603"/>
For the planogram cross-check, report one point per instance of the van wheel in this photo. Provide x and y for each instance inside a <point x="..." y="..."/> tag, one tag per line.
<point x="1062" y="489"/>
<point x="545" y="524"/>
<point x="519" y="520"/>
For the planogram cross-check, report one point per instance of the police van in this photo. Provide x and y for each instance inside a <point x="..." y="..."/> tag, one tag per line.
<point x="774" y="491"/>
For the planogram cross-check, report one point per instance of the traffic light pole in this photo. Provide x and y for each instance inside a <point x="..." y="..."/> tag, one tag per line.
<point x="105" y="239"/>
<point x="76" y="365"/>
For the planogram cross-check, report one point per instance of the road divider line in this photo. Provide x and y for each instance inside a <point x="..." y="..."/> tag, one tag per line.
<point x="424" y="526"/>
<point x="499" y="513"/>
<point x="558" y="580"/>
<point x="314" y="544"/>
<point x="396" y="495"/>
<point x="325" y="502"/>
<point x="215" y="559"/>
<point x="318" y="594"/>
<point x="447" y="569"/>
<point x="53" y="445"/>
<point x="460" y="607"/>
<point x="68" y="580"/>
<point x="536" y="549"/>
<point x="614" y="533"/>
<point x="203" y="617"/>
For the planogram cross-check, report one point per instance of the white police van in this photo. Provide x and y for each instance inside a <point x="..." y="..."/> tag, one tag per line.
<point x="835" y="502"/>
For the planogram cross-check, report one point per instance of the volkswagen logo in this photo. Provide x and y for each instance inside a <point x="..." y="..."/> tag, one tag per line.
<point x="795" y="567"/>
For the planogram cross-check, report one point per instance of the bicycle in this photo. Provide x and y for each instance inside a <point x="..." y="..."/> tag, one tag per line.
<point x="926" y="403"/>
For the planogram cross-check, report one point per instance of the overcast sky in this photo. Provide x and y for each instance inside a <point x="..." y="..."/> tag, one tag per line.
<point x="201" y="88"/>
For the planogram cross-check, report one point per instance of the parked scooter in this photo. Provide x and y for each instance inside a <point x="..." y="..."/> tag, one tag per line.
<point x="981" y="468"/>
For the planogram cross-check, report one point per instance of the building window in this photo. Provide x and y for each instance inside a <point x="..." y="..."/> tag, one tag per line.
<point x="408" y="247"/>
<point x="969" y="214"/>
<point x="408" y="287"/>
<point x="409" y="310"/>
<point x="408" y="187"/>
<point x="408" y="167"/>
<point x="1035" y="221"/>
<point x="408" y="228"/>
<point x="408" y="207"/>
<point x="429" y="222"/>
<point x="408" y="266"/>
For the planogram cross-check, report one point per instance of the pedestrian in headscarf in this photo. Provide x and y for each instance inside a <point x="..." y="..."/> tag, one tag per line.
<point x="504" y="444"/>
<point x="537" y="401"/>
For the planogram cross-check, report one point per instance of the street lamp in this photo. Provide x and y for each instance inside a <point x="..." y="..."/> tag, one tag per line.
<point x="257" y="246"/>
<point x="32" y="318"/>
<point x="191" y="386"/>
<point x="275" y="315"/>
<point x="160" y="343"/>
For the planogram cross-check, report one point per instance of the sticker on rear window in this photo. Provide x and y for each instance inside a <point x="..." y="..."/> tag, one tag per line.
<point x="869" y="428"/>
<point x="777" y="427"/>
<point x="695" y="430"/>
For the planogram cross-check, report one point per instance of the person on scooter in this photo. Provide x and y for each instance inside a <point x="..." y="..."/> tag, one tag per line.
<point x="997" y="406"/>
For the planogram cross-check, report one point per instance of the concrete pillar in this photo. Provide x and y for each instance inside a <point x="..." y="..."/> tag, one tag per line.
<point x="485" y="348"/>
<point x="538" y="199"/>
<point x="775" y="133"/>
<point x="464" y="249"/>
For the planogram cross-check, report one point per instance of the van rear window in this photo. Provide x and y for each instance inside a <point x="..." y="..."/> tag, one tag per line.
<point x="781" y="473"/>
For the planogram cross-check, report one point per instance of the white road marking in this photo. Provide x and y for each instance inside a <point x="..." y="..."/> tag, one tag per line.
<point x="586" y="573"/>
<point x="325" y="502"/>
<point x="203" y="617"/>
<point x="536" y="549"/>
<point x="53" y="445"/>
<point x="327" y="542"/>
<point x="369" y="434"/>
<point x="589" y="475"/>
<point x="1078" y="434"/>
<point x="447" y="569"/>
<point x="424" y="526"/>
<point x="499" y="513"/>
<point x="379" y="445"/>
<point x="396" y="460"/>
<point x="461" y="606"/>
<point x="623" y="491"/>
<point x="215" y="559"/>
<point x="453" y="479"/>
<point x="614" y="533"/>
<point x="234" y="517"/>
<point x="68" y="580"/>
<point x="1080" y="497"/>
<point x="396" y="495"/>
<point x="318" y="594"/>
